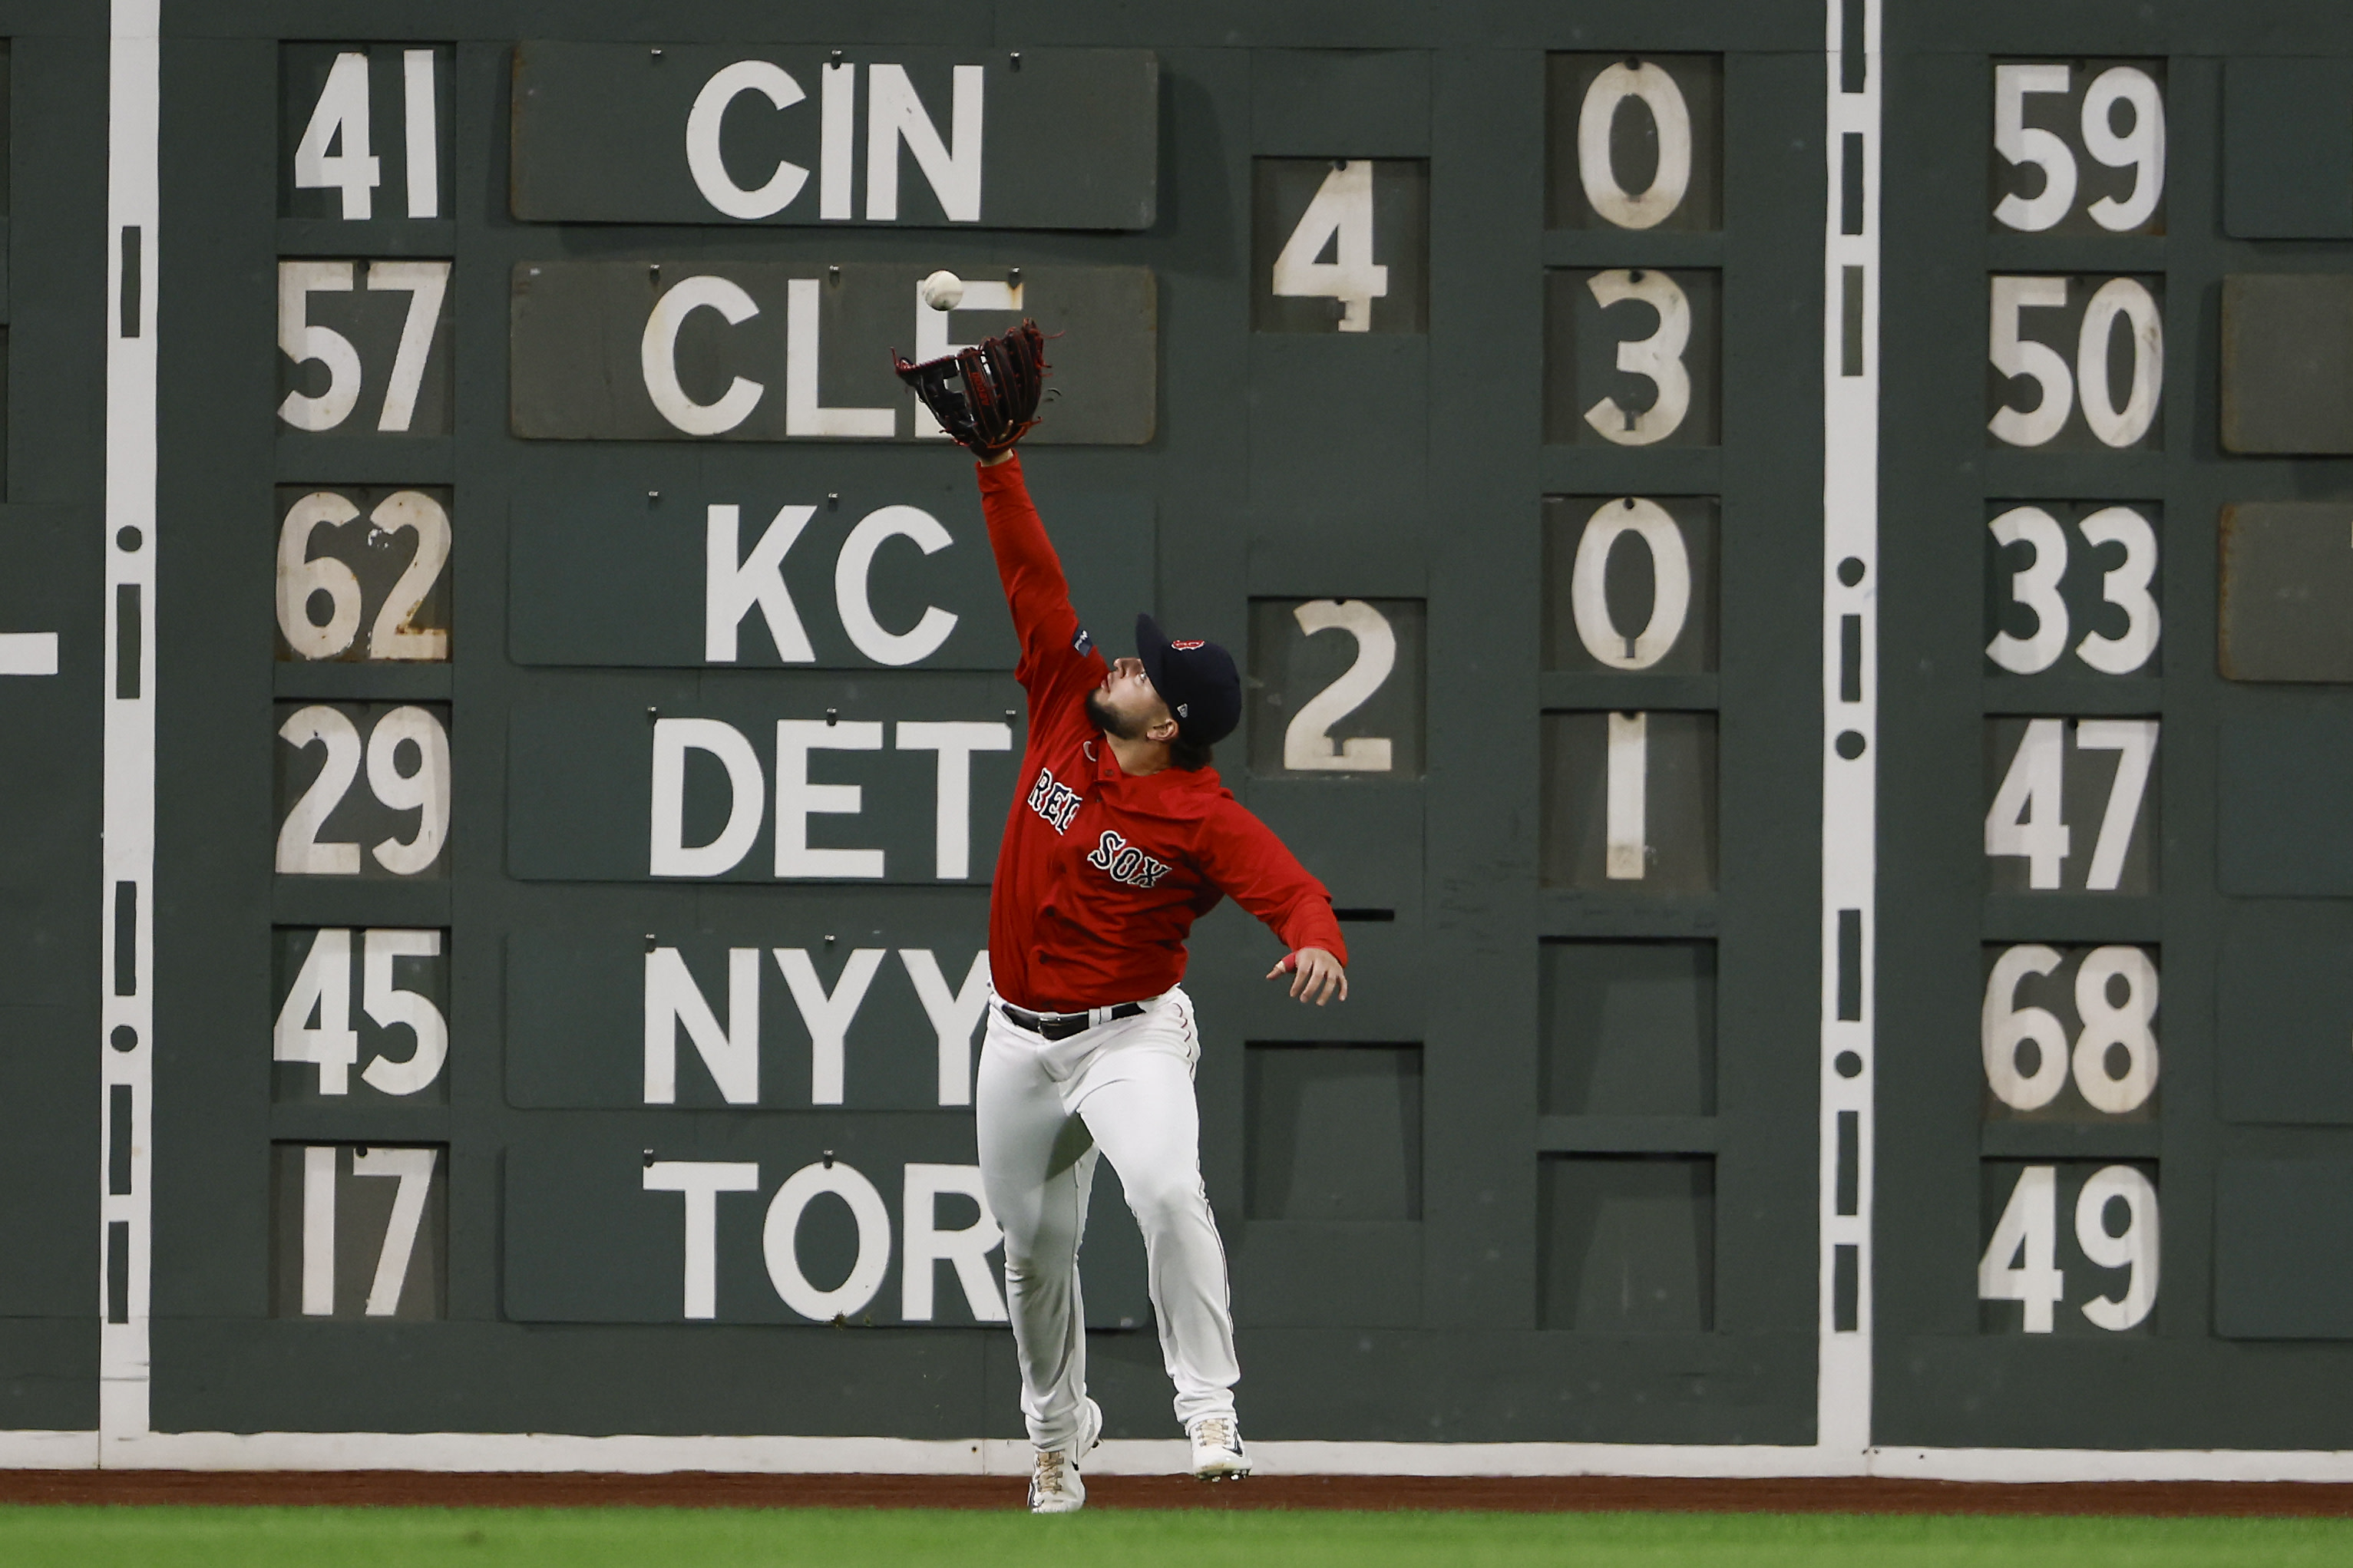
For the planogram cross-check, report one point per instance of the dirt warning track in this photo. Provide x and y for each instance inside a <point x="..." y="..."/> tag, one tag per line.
<point x="1509" y="1494"/>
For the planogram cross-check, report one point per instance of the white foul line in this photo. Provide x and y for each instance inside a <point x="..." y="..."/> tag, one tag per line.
<point x="1850" y="739"/>
<point x="127" y="904"/>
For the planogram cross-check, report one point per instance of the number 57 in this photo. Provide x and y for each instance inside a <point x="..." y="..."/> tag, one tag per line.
<point x="428" y="283"/>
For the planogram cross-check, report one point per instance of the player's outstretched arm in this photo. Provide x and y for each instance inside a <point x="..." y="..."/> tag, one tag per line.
<point x="1315" y="974"/>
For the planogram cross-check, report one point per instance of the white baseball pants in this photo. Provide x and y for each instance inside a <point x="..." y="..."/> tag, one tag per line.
<point x="1043" y="1109"/>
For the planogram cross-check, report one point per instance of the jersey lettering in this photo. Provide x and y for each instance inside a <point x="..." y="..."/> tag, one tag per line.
<point x="1057" y="802"/>
<point x="1125" y="863"/>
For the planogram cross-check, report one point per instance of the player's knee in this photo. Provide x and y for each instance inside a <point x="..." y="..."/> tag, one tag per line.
<point x="1161" y="1204"/>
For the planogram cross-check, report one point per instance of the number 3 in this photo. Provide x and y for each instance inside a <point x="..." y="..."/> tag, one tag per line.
<point x="1658" y="358"/>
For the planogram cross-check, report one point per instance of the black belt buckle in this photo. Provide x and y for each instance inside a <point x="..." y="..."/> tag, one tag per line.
<point x="1063" y="1025"/>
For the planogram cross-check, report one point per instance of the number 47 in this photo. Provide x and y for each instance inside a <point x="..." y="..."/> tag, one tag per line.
<point x="2027" y="818"/>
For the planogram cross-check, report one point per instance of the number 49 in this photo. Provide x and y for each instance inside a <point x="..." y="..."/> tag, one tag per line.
<point x="2021" y="1262"/>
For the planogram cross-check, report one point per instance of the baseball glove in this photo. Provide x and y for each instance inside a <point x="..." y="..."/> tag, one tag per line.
<point x="985" y="396"/>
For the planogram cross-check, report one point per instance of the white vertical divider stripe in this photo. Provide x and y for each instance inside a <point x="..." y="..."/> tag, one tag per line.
<point x="1850" y="793"/>
<point x="128" y="856"/>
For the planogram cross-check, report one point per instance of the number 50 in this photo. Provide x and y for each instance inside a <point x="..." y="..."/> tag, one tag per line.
<point x="2119" y="299"/>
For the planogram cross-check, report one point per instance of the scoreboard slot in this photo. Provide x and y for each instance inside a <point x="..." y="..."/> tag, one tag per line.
<point x="1628" y="1243"/>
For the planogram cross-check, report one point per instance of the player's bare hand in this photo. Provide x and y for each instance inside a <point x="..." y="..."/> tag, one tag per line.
<point x="1316" y="976"/>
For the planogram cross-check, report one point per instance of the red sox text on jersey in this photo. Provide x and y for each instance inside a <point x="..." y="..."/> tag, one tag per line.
<point x="1101" y="875"/>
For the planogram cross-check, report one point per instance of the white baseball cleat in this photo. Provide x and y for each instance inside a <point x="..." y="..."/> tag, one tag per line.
<point x="1217" y="1449"/>
<point x="1054" y="1483"/>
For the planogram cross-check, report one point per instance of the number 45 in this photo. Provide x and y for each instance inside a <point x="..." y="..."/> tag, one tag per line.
<point x="1340" y="219"/>
<point x="323" y="990"/>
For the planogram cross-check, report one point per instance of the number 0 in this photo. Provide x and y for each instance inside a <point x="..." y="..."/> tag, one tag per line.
<point x="1656" y="91"/>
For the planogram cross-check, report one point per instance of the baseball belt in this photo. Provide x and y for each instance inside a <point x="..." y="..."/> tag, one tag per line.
<point x="1063" y="1025"/>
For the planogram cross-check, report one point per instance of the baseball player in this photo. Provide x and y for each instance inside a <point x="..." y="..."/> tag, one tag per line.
<point x="1119" y="839"/>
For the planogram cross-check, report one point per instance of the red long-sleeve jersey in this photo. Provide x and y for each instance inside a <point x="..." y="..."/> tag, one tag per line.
<point x="1101" y="876"/>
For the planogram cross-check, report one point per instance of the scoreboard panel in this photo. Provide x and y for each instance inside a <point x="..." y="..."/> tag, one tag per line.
<point x="520" y="716"/>
<point x="2135" y="884"/>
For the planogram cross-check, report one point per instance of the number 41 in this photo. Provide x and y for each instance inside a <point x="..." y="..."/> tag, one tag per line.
<point x="340" y="121"/>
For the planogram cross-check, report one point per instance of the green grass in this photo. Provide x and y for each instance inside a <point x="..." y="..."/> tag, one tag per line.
<point x="87" y="1537"/>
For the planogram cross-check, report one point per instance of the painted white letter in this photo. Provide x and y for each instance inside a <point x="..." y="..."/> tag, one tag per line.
<point x="669" y="854"/>
<point x="702" y="155"/>
<point x="657" y="356"/>
<point x="827" y="1017"/>
<point x="703" y="1181"/>
<point x="797" y="799"/>
<point x="967" y="1249"/>
<point x="732" y="1055"/>
<point x="955" y="742"/>
<point x="730" y="587"/>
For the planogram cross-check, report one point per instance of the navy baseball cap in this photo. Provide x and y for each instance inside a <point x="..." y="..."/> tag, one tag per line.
<point x="1197" y="681"/>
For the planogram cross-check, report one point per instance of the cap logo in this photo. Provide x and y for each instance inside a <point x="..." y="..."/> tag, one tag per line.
<point x="1184" y="709"/>
<point x="1188" y="646"/>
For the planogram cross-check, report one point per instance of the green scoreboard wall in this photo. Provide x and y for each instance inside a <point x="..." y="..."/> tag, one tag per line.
<point x="1793" y="566"/>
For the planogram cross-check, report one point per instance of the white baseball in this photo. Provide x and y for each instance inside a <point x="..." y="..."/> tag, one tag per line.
<point x="941" y="291"/>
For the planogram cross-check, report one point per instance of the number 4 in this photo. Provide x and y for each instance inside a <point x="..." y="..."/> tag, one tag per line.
<point x="1341" y="217"/>
<point x="2027" y="1233"/>
<point x="342" y="113"/>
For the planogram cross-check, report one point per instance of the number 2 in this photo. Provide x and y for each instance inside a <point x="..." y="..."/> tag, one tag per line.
<point x="1307" y="745"/>
<point x="301" y="575"/>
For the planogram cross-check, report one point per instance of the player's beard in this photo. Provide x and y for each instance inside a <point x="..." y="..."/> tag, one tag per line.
<point x="1100" y="714"/>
